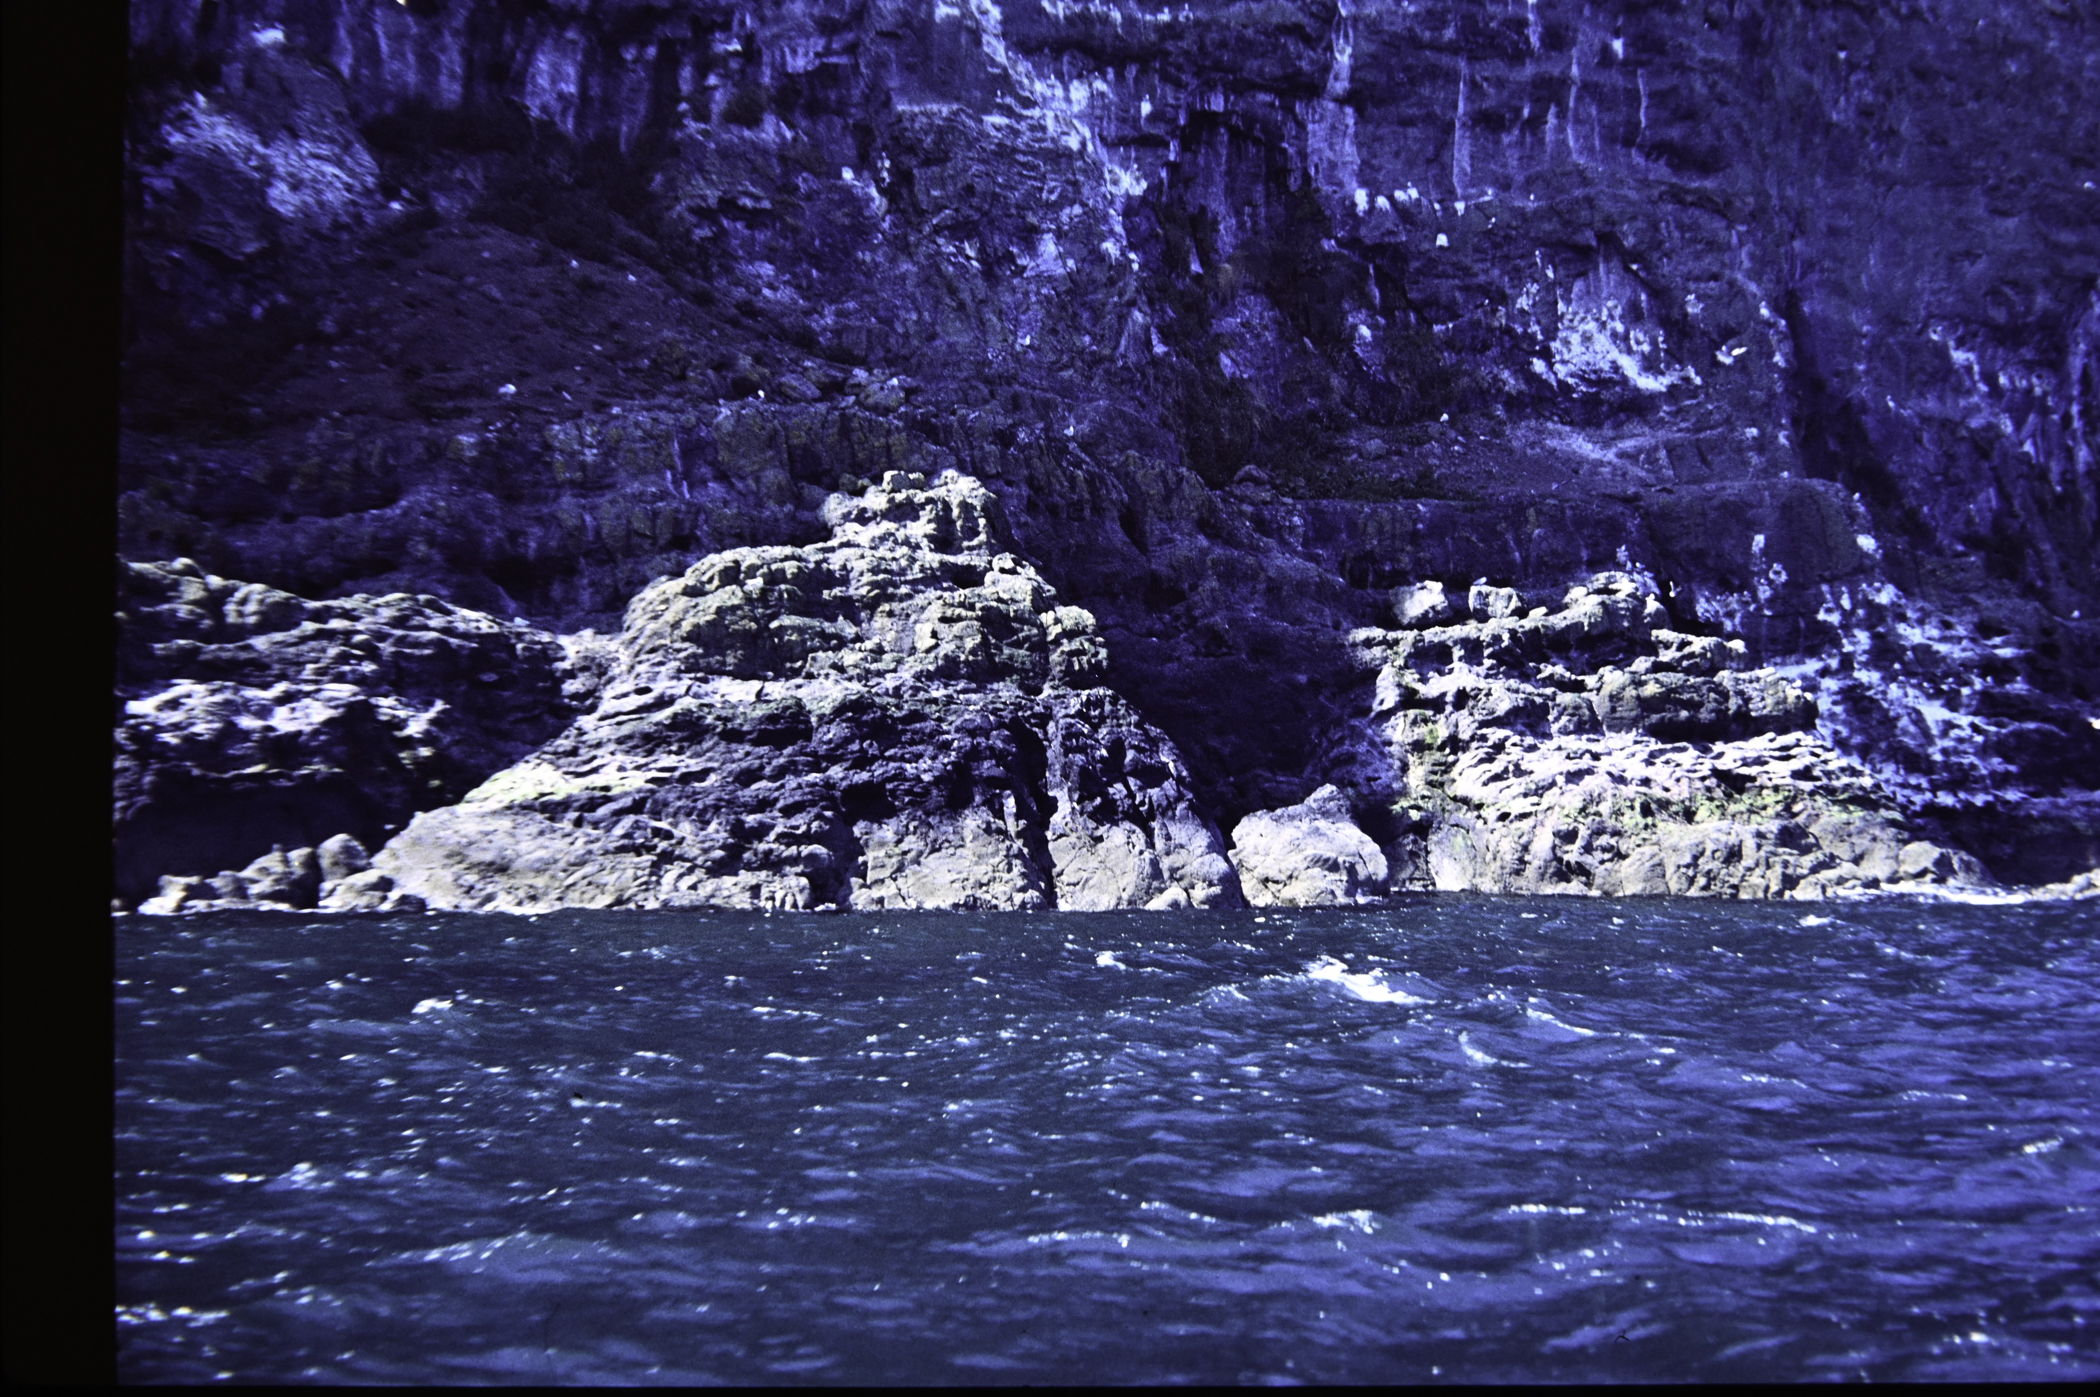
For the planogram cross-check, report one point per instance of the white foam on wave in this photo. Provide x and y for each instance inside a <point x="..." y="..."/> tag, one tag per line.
<point x="1356" y="1220"/>
<point x="517" y="1256"/>
<point x="1121" y="1239"/>
<point x="1540" y="1016"/>
<point x="1363" y="984"/>
<point x="300" y="1175"/>
<point x="1766" y="1219"/>
<point x="1481" y="1059"/>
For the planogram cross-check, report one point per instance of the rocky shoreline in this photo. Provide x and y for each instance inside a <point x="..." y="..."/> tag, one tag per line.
<point x="903" y="716"/>
<point x="1009" y="455"/>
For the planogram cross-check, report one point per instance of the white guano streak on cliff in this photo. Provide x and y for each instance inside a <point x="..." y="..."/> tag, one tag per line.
<point x="1054" y="104"/>
<point x="1330" y="127"/>
<point x="551" y="82"/>
<point x="308" y="181"/>
<point x="1598" y="342"/>
<point x="1343" y="44"/>
<point x="1574" y="96"/>
<point x="1461" y="154"/>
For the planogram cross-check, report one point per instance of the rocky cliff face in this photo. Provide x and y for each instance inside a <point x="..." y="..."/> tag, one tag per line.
<point x="1247" y="316"/>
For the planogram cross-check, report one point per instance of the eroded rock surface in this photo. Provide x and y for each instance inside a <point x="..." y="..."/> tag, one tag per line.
<point x="901" y="716"/>
<point x="1247" y="314"/>
<point x="1587" y="747"/>
<point x="1311" y="854"/>
<point x="250" y="718"/>
<point x="335" y="877"/>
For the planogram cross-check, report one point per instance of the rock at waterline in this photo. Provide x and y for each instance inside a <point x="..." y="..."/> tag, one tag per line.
<point x="901" y="716"/>
<point x="1589" y="748"/>
<point x="253" y="717"/>
<point x="336" y="877"/>
<point x="1308" y="855"/>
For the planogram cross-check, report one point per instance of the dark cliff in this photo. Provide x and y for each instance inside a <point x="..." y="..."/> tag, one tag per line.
<point x="1250" y="314"/>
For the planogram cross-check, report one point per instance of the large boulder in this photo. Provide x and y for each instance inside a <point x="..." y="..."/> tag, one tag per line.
<point x="1311" y="854"/>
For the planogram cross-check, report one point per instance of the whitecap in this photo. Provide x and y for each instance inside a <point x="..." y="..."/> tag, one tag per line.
<point x="1362" y="984"/>
<point x="300" y="1175"/>
<point x="1481" y="1059"/>
<point x="1767" y="1219"/>
<point x="1539" y="1016"/>
<point x="1356" y="1219"/>
<point x="1813" y="920"/>
<point x="1121" y="1239"/>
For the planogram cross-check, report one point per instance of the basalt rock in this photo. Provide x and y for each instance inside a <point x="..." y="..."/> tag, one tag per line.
<point x="1311" y="854"/>
<point x="336" y="877"/>
<point x="249" y="717"/>
<point x="1587" y="747"/>
<point x="902" y="716"/>
<point x="1248" y="316"/>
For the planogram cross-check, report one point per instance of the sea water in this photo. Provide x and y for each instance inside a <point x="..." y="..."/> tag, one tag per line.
<point x="1459" y="1139"/>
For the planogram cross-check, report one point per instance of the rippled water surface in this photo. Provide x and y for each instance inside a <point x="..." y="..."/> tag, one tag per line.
<point x="1452" y="1139"/>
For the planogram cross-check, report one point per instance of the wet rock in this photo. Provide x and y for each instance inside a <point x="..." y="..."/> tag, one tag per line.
<point x="1593" y="749"/>
<point x="881" y="720"/>
<point x="1307" y="855"/>
<point x="2084" y="887"/>
<point x="252" y="718"/>
<point x="281" y="880"/>
<point x="369" y="890"/>
<point x="292" y="879"/>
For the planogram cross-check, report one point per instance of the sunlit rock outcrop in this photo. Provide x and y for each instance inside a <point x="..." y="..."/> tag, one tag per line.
<point x="250" y="717"/>
<point x="1585" y="746"/>
<point x="901" y="716"/>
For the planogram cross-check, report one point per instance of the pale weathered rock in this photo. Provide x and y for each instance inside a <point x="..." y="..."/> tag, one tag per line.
<point x="291" y="878"/>
<point x="368" y="891"/>
<point x="1307" y="855"/>
<point x="881" y="720"/>
<point x="1243" y="318"/>
<point x="254" y="718"/>
<point x="1592" y="749"/>
<point x="341" y="856"/>
<point x="1423" y="604"/>
<point x="282" y="880"/>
